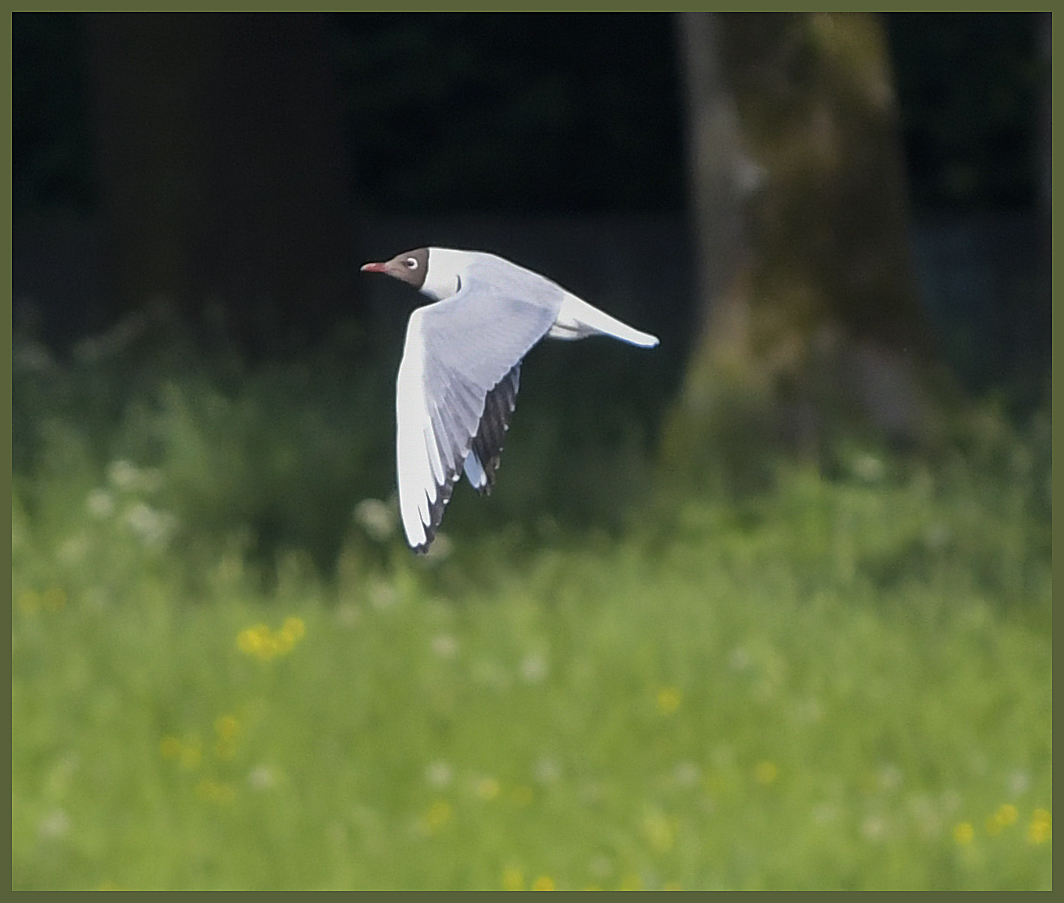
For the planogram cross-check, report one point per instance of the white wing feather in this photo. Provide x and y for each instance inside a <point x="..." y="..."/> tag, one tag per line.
<point x="456" y="352"/>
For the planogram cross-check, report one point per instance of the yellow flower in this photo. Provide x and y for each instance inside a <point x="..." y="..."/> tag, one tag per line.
<point x="261" y="642"/>
<point x="54" y="598"/>
<point x="170" y="747"/>
<point x="254" y="640"/>
<point x="487" y="788"/>
<point x="215" y="791"/>
<point x="293" y="629"/>
<point x="1004" y="817"/>
<point x="187" y="753"/>
<point x="521" y="795"/>
<point x="765" y="772"/>
<point x="512" y="879"/>
<point x="191" y="753"/>
<point x="439" y="812"/>
<point x="227" y="729"/>
<point x="658" y="831"/>
<point x="668" y="700"/>
<point x="963" y="833"/>
<point x="1041" y="827"/>
<point x="543" y="882"/>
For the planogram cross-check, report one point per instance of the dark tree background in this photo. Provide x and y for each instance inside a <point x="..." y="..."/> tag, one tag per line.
<point x="520" y="113"/>
<point x="811" y="329"/>
<point x="414" y="87"/>
<point x="221" y="178"/>
<point x="232" y="163"/>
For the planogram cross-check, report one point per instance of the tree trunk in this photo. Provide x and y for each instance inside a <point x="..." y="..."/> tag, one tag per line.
<point x="811" y="329"/>
<point x="221" y="172"/>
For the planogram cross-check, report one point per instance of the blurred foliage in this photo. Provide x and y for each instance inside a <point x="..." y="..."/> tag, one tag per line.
<point x="297" y="456"/>
<point x="281" y="453"/>
<point x="843" y="683"/>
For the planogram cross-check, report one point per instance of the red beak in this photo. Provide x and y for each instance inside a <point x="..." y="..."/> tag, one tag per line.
<point x="373" y="268"/>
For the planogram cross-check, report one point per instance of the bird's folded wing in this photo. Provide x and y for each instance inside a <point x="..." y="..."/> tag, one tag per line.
<point x="456" y="388"/>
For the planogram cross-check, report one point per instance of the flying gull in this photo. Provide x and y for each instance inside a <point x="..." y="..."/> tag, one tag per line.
<point x="461" y="365"/>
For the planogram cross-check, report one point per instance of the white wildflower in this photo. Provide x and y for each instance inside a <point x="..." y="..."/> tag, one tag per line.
<point x="600" y="867"/>
<point x="547" y="771"/>
<point x="31" y="357"/>
<point x="54" y="825"/>
<point x="740" y="659"/>
<point x="686" y="774"/>
<point x="1018" y="782"/>
<point x="890" y="777"/>
<point x="100" y="503"/>
<point x="534" y="668"/>
<point x="262" y="777"/>
<point x="377" y="518"/>
<point x="154" y="528"/>
<point x="127" y="477"/>
<point x="874" y="828"/>
<point x="445" y="645"/>
<point x="938" y="537"/>
<point x="439" y="773"/>
<point x="825" y="813"/>
<point x="869" y="468"/>
<point x="382" y="594"/>
<point x="74" y="549"/>
<point x="123" y="474"/>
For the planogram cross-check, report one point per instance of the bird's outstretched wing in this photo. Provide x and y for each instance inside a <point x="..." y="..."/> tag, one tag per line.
<point x="483" y="458"/>
<point x="456" y="389"/>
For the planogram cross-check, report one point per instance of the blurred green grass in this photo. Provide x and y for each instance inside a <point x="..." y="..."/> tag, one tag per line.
<point x="229" y="673"/>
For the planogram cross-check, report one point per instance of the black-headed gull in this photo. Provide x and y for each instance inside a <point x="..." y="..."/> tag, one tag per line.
<point x="461" y="365"/>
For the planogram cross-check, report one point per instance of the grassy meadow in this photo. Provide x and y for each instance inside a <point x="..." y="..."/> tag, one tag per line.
<point x="229" y="672"/>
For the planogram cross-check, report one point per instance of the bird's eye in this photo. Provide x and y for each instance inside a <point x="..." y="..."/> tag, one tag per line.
<point x="411" y="263"/>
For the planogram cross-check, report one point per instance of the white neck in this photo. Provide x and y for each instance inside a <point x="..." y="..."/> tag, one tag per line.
<point x="445" y="264"/>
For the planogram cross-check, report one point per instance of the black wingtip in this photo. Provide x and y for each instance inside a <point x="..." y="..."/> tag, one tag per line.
<point x="423" y="548"/>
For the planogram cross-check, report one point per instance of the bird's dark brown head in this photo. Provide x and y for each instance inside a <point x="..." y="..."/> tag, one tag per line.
<point x="410" y="266"/>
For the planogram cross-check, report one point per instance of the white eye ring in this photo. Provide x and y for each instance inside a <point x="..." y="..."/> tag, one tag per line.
<point x="411" y="263"/>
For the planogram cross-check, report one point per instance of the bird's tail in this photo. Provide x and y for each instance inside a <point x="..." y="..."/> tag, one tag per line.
<point x="577" y="319"/>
